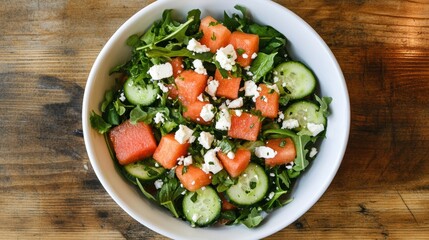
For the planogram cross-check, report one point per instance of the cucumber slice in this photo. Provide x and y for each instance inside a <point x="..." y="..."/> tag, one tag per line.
<point x="296" y="78"/>
<point x="140" y="95"/>
<point x="305" y="112"/>
<point x="251" y="186"/>
<point x="202" y="207"/>
<point x="145" y="170"/>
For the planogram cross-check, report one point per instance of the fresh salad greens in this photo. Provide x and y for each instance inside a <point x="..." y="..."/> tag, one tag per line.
<point x="227" y="126"/>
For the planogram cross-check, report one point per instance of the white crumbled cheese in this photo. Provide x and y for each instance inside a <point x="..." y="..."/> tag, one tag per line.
<point x="271" y="195"/>
<point x="237" y="103"/>
<point x="183" y="134"/>
<point x="158" y="183"/>
<point x="274" y="87"/>
<point x="315" y="128"/>
<point x="276" y="79"/>
<point x="212" y="87"/>
<point x="186" y="161"/>
<point x="265" y="152"/>
<point x="211" y="162"/>
<point x="249" y="73"/>
<point x="250" y="89"/>
<point x="224" y="120"/>
<point x="265" y="99"/>
<point x="158" y="96"/>
<point x="245" y="56"/>
<point x="200" y="98"/>
<point x="238" y="112"/>
<point x="281" y="116"/>
<point x="159" y="118"/>
<point x="247" y="68"/>
<point x="195" y="46"/>
<point x="207" y="112"/>
<point x="313" y="152"/>
<point x="199" y="67"/>
<point x="160" y="71"/>
<point x="254" y="55"/>
<point x="162" y="87"/>
<point x="290" y="165"/>
<point x="195" y="217"/>
<point x="226" y="57"/>
<point x="230" y="155"/>
<point x="290" y="124"/>
<point x="192" y="139"/>
<point x="122" y="97"/>
<point x="205" y="139"/>
<point x="272" y="174"/>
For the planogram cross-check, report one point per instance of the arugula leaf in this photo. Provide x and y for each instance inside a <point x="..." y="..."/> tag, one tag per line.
<point x="226" y="145"/>
<point x="164" y="52"/>
<point x="169" y="193"/>
<point x="235" y="22"/>
<point x="324" y="104"/>
<point x="98" y="123"/>
<point x="300" y="142"/>
<point x="222" y="181"/>
<point x="166" y="30"/>
<point x="147" y="194"/>
<point x="194" y="26"/>
<point x="262" y="65"/>
<point x="138" y="115"/>
<point x="250" y="217"/>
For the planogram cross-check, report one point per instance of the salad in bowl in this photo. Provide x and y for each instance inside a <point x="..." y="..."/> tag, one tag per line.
<point x="211" y="118"/>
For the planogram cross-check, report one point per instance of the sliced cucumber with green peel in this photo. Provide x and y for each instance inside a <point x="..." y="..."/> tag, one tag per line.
<point x="251" y="186"/>
<point x="305" y="112"/>
<point x="138" y="94"/>
<point x="297" y="79"/>
<point x="145" y="170"/>
<point x="202" y="207"/>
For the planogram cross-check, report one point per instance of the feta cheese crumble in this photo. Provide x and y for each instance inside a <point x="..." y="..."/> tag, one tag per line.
<point x="183" y="134"/>
<point x="185" y="161"/>
<point x="290" y="124"/>
<point x="226" y="57"/>
<point x="254" y="55"/>
<point x="315" y="128"/>
<point x="207" y="112"/>
<point x="195" y="46"/>
<point x="212" y="87"/>
<point x="281" y="116"/>
<point x="159" y="118"/>
<point x="237" y="103"/>
<point x="205" y="139"/>
<point x="313" y="152"/>
<point x="211" y="162"/>
<point x="162" y="87"/>
<point x="158" y="183"/>
<point x="200" y="98"/>
<point x="230" y="155"/>
<point x="265" y="152"/>
<point x="199" y="67"/>
<point x="122" y="97"/>
<point x="160" y="71"/>
<point x="238" y="112"/>
<point x="224" y="120"/>
<point x="250" y="89"/>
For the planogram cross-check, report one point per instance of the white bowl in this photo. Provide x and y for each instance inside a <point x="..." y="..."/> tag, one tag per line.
<point x="304" y="44"/>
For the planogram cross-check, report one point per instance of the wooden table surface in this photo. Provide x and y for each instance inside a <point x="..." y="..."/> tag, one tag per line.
<point x="49" y="189"/>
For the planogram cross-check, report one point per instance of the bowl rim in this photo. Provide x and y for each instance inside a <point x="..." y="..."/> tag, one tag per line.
<point x="118" y="199"/>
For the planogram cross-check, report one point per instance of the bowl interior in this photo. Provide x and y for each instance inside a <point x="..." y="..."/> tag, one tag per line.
<point x="304" y="45"/>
